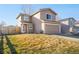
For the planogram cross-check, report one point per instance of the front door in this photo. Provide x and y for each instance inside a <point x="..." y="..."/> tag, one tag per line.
<point x="25" y="28"/>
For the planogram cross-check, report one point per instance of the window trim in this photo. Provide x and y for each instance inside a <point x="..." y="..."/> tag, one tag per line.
<point x="50" y="15"/>
<point x="25" y="18"/>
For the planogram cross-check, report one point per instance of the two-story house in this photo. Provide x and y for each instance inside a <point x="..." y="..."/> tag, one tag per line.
<point x="43" y="21"/>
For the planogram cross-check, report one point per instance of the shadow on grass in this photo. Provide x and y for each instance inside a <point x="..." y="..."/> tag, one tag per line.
<point x="10" y="45"/>
<point x="1" y="45"/>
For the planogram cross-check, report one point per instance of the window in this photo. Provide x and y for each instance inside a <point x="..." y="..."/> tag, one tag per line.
<point x="48" y="16"/>
<point x="30" y="26"/>
<point x="26" y="18"/>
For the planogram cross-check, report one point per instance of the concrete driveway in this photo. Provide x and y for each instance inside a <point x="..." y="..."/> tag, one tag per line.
<point x="70" y="37"/>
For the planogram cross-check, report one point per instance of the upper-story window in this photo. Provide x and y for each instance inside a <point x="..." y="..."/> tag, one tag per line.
<point x="48" y="16"/>
<point x="26" y="18"/>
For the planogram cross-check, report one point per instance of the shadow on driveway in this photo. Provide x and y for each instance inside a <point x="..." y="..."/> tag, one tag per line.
<point x="10" y="45"/>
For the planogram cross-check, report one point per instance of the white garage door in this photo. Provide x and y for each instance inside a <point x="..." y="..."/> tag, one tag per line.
<point x="52" y="29"/>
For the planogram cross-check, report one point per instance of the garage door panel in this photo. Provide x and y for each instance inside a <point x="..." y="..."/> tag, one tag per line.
<point x="51" y="29"/>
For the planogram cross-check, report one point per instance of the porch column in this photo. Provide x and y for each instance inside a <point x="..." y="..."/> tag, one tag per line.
<point x="22" y="29"/>
<point x="59" y="28"/>
<point x="43" y="27"/>
<point x="27" y="28"/>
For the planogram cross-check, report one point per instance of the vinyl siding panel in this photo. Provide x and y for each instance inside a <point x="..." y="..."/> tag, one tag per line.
<point x="43" y="15"/>
<point x="37" y="23"/>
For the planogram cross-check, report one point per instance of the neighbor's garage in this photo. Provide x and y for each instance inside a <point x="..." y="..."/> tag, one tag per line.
<point x="52" y="28"/>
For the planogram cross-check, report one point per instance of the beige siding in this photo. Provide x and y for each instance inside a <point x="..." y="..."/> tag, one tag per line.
<point x="19" y="22"/>
<point x="65" y="22"/>
<point x="37" y="23"/>
<point x="43" y="15"/>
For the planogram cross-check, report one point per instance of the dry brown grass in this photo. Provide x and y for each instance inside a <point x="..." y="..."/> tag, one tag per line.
<point x="40" y="43"/>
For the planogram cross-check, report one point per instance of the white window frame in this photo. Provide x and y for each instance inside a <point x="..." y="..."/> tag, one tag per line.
<point x="26" y="19"/>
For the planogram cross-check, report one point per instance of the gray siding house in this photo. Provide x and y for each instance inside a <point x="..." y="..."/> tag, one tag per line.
<point x="67" y="25"/>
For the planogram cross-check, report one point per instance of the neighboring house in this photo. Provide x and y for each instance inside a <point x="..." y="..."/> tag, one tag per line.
<point x="67" y="25"/>
<point x="11" y="29"/>
<point x="76" y="28"/>
<point x="0" y="29"/>
<point x="43" y="21"/>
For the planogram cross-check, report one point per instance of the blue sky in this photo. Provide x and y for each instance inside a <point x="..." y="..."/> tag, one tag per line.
<point x="9" y="12"/>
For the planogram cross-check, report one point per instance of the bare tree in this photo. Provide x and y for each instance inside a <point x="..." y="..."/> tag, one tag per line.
<point x="2" y="24"/>
<point x="27" y="8"/>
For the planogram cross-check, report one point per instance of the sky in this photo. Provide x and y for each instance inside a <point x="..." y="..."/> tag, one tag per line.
<point x="9" y="12"/>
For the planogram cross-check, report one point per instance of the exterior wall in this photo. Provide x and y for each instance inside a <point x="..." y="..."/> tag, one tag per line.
<point x="43" y="15"/>
<point x="65" y="26"/>
<point x="27" y="28"/>
<point x="37" y="22"/>
<point x="66" y="22"/>
<point x="19" y="22"/>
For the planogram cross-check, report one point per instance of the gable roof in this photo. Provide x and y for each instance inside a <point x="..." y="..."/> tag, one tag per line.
<point x="21" y="15"/>
<point x="44" y="9"/>
<point x="68" y="19"/>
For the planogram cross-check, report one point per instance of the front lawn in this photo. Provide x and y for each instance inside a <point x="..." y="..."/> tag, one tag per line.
<point x="39" y="44"/>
